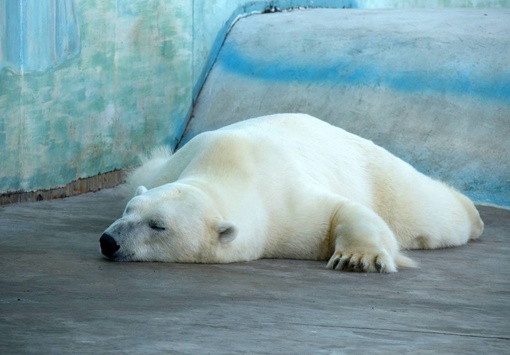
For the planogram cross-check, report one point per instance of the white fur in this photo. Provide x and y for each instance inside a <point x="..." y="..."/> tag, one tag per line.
<point x="288" y="186"/>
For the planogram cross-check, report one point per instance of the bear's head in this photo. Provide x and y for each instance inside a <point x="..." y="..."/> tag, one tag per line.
<point x="171" y="223"/>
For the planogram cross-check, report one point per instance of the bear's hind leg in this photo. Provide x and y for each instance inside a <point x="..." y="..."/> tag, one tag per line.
<point x="363" y="241"/>
<point x="451" y="220"/>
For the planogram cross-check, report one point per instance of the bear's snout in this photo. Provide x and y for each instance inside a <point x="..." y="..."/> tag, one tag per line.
<point x="108" y="245"/>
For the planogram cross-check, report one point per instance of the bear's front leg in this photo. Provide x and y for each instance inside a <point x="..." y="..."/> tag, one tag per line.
<point x="362" y="241"/>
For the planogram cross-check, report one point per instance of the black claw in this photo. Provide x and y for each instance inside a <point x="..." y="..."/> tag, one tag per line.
<point x="378" y="266"/>
<point x="362" y="266"/>
<point x="337" y="261"/>
<point x="352" y="266"/>
<point x="344" y="264"/>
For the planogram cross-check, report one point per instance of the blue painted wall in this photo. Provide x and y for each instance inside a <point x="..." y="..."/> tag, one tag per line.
<point x="38" y="35"/>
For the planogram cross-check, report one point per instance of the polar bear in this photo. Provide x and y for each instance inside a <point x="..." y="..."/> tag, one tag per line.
<point x="286" y="186"/>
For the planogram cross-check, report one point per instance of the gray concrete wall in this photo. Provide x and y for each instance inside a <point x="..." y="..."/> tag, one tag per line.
<point x="430" y="85"/>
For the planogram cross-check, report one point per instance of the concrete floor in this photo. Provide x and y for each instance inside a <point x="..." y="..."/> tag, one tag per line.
<point x="59" y="296"/>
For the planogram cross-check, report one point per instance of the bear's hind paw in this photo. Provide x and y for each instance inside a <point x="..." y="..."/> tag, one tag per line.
<point x="361" y="263"/>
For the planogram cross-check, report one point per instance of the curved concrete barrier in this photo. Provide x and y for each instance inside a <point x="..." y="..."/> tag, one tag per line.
<point x="431" y="86"/>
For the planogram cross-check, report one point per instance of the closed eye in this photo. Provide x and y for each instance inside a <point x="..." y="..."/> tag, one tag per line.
<point x="156" y="226"/>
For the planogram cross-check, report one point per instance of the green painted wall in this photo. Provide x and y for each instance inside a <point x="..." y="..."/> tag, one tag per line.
<point x="128" y="89"/>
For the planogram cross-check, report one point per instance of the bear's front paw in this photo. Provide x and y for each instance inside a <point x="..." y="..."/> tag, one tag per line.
<point x="361" y="262"/>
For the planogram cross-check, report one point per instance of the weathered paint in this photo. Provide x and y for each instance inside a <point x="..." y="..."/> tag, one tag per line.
<point x="213" y="19"/>
<point x="69" y="117"/>
<point x="47" y="34"/>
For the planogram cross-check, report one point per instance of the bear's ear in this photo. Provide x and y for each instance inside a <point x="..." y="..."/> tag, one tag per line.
<point x="227" y="232"/>
<point x="140" y="190"/>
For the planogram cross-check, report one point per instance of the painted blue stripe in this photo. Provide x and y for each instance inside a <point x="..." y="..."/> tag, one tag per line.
<point x="493" y="85"/>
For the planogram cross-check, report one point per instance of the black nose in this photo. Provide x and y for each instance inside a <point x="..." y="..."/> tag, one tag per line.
<point x="108" y="245"/>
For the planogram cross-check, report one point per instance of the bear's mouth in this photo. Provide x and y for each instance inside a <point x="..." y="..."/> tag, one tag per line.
<point x="120" y="257"/>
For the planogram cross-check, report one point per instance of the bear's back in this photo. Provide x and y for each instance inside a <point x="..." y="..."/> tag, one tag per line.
<point x="297" y="148"/>
<point x="282" y="148"/>
<point x="297" y="126"/>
